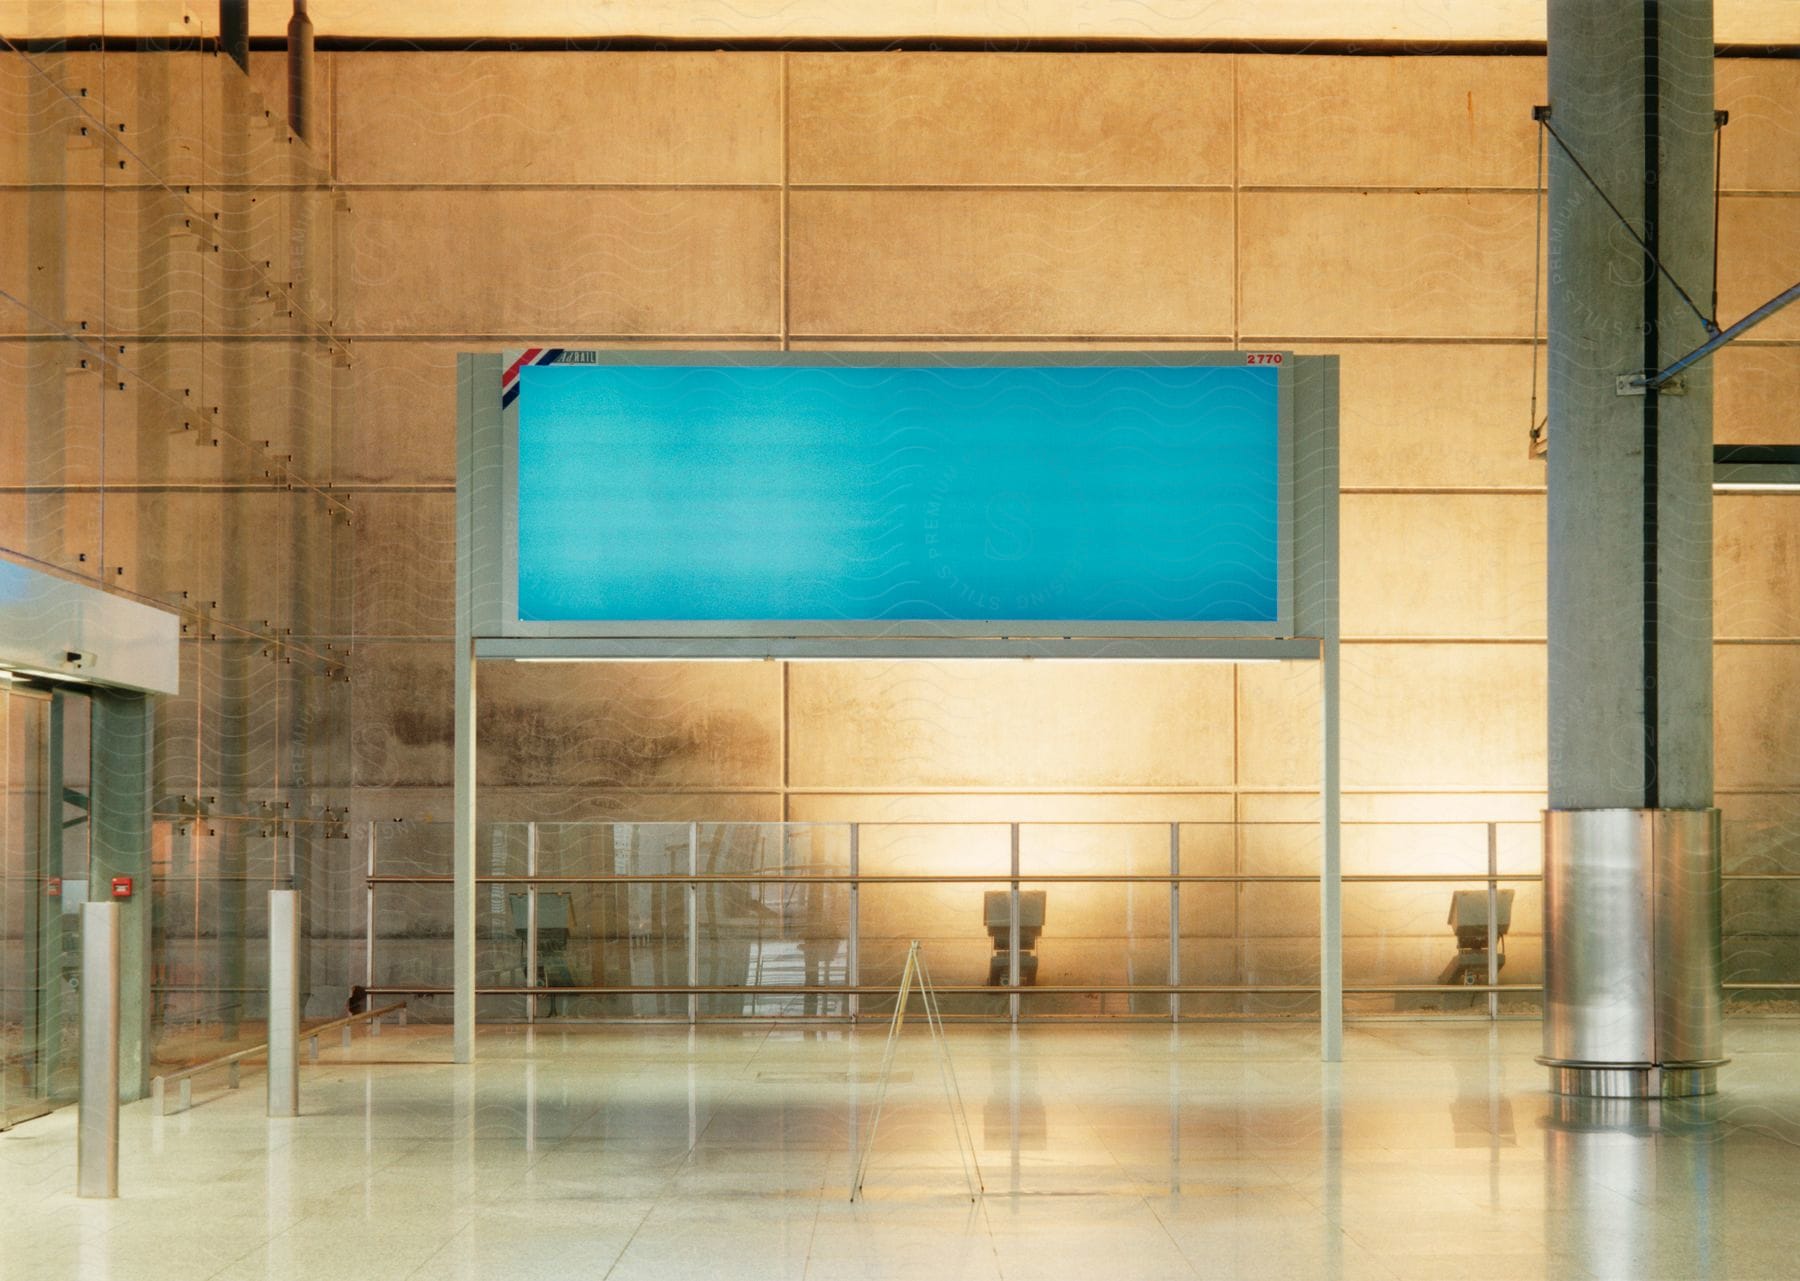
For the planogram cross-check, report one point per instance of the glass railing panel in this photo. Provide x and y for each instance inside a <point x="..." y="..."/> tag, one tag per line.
<point x="770" y="936"/>
<point x="1093" y="934"/>
<point x="1428" y="940"/>
<point x="632" y="934"/>
<point x="210" y="988"/>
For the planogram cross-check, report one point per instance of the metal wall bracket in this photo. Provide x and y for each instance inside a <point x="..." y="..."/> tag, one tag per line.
<point x="1637" y="384"/>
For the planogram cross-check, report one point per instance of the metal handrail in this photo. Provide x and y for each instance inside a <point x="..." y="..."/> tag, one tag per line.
<point x="998" y="989"/>
<point x="949" y="878"/>
<point x="842" y="871"/>
<point x="183" y="1077"/>
<point x="312" y="1034"/>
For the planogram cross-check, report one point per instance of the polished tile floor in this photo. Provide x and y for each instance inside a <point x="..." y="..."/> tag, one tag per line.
<point x="1107" y="1153"/>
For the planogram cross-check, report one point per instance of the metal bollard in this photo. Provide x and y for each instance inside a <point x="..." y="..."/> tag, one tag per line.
<point x="97" y="1125"/>
<point x="284" y="1003"/>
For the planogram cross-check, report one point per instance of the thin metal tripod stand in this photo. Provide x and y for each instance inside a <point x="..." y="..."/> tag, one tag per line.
<point x="916" y="972"/>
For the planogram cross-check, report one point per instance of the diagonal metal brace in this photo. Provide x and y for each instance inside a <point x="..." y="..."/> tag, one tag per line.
<point x="1653" y="381"/>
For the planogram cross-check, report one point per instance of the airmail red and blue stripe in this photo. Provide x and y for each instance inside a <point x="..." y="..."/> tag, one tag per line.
<point x="509" y="381"/>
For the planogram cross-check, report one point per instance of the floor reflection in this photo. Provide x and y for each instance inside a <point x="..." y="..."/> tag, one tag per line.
<point x="1637" y="1188"/>
<point x="1199" y="1151"/>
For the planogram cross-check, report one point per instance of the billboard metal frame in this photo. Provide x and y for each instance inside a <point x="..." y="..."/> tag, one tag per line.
<point x="488" y="627"/>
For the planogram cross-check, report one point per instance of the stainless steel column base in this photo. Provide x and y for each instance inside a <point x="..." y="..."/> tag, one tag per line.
<point x="1615" y="1081"/>
<point x="1632" y="966"/>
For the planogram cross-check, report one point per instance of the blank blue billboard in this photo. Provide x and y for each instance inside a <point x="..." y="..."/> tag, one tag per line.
<point x="832" y="493"/>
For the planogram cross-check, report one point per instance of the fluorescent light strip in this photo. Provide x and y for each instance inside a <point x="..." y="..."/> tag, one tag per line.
<point x="882" y="658"/>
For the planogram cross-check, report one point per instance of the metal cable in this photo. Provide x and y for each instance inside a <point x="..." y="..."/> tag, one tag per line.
<point x="1719" y="119"/>
<point x="1537" y="296"/>
<point x="1711" y="326"/>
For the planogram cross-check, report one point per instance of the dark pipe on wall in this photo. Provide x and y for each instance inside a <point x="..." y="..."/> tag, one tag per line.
<point x="234" y="31"/>
<point x="300" y="71"/>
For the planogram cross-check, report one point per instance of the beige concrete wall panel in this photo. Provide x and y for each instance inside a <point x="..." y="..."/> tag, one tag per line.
<point x="1387" y="122"/>
<point x="1741" y="21"/>
<point x="1209" y="848"/>
<point x="1756" y="393"/>
<point x="1207" y="912"/>
<point x="1436" y="415"/>
<point x="1021" y="262"/>
<point x="1758" y="911"/>
<point x="1277" y="959"/>
<point x="1079" y="849"/>
<point x="1278" y="732"/>
<point x="405" y="565"/>
<point x="160" y="428"/>
<point x="1443" y="565"/>
<point x="1453" y="716"/>
<point x="1756" y="565"/>
<point x="955" y="849"/>
<point x="1756" y="717"/>
<point x="156" y="112"/>
<point x="559" y="117"/>
<point x="644" y="725"/>
<point x="1511" y="809"/>
<point x="234" y="546"/>
<point x="500" y="262"/>
<point x="51" y="410"/>
<point x="157" y="429"/>
<point x="237" y="701"/>
<point x="563" y="729"/>
<point x="62" y="530"/>
<point x="964" y="343"/>
<point x="1036" y="118"/>
<point x="1762" y="140"/>
<point x="51" y="280"/>
<point x="864" y="725"/>
<point x="1395" y="913"/>
<point x="1758" y="831"/>
<point x="1278" y="849"/>
<point x="403" y="727"/>
<point x="1199" y="812"/>
<point x="1394" y="849"/>
<point x="1386" y="265"/>
<point x="1759" y="246"/>
<point x="401" y="398"/>
<point x="224" y="408"/>
<point x="1282" y="910"/>
<point x="268" y="78"/>
<point x="1279" y="806"/>
<point x="42" y="118"/>
<point x="518" y="805"/>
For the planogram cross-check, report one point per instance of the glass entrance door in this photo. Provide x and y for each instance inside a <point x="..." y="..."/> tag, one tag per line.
<point x="44" y="794"/>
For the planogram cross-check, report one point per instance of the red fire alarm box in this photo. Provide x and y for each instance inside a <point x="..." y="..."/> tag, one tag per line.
<point x="53" y="887"/>
<point x="121" y="886"/>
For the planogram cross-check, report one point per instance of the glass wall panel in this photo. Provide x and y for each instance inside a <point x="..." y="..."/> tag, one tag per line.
<point x="1250" y="933"/>
<point x="948" y="918"/>
<point x="1103" y="933"/>
<point x="29" y="970"/>
<point x="1402" y="935"/>
<point x="210" y="928"/>
<point x="620" y="935"/>
<point x="791" y="930"/>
